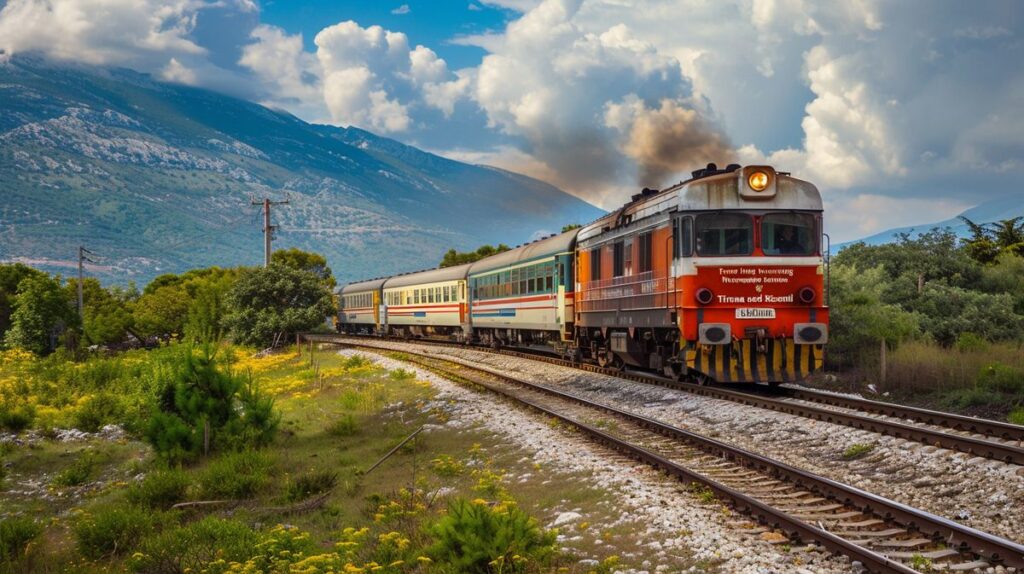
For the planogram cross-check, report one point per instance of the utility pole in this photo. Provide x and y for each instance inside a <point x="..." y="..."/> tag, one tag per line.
<point x="268" y="229"/>
<point x="82" y="258"/>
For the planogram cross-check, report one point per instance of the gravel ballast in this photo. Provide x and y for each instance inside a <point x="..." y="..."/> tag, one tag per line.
<point x="678" y="527"/>
<point x="981" y="493"/>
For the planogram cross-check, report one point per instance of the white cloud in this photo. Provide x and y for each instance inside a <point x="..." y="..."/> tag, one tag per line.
<point x="851" y="217"/>
<point x="403" y="9"/>
<point x="474" y="7"/>
<point x="127" y="32"/>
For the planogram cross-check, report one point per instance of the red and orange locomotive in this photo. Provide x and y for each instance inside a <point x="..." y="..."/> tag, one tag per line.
<point x="719" y="277"/>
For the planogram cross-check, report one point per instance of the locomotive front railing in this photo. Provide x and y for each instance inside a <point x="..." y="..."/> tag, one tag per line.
<point x="639" y="291"/>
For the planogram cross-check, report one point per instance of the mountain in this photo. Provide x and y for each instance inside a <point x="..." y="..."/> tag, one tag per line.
<point x="994" y="210"/>
<point x="156" y="177"/>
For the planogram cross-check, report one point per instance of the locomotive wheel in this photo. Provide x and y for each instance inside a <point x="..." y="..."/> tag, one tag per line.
<point x="618" y="364"/>
<point x="602" y="359"/>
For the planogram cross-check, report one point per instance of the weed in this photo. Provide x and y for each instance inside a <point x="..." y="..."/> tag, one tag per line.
<point x="920" y="563"/>
<point x="235" y="475"/>
<point x="345" y="425"/>
<point x="490" y="483"/>
<point x="160" y="489"/>
<point x="79" y="473"/>
<point x="309" y="484"/>
<point x="15" y="534"/>
<point x="401" y="375"/>
<point x="447" y="465"/>
<point x="189" y="548"/>
<point x="97" y="410"/>
<point x="857" y="450"/>
<point x="702" y="492"/>
<point x="112" y="530"/>
<point x="1016" y="416"/>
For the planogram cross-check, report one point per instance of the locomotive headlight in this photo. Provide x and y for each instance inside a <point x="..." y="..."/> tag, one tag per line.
<point x="757" y="180"/>
<point x="704" y="296"/>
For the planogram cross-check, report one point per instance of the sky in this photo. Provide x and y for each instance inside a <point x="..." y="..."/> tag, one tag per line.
<point x="901" y="112"/>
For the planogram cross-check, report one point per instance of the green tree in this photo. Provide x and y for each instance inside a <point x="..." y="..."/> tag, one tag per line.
<point x="203" y="406"/>
<point x="306" y="261"/>
<point x="453" y="257"/>
<point x="10" y="277"/>
<point x="947" y="312"/>
<point x="268" y="304"/>
<point x="42" y="315"/>
<point x="570" y="227"/>
<point x="161" y="312"/>
<point x="989" y="240"/>
<point x="207" y="309"/>
<point x="107" y="316"/>
<point x="860" y="320"/>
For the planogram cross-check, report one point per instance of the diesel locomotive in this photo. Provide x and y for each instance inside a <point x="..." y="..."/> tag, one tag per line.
<point x="720" y="277"/>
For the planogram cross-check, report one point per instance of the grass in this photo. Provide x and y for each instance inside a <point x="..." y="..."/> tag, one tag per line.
<point x="858" y="450"/>
<point x="329" y="437"/>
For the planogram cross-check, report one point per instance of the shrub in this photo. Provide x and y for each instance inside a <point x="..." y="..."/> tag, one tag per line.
<point x="203" y="404"/>
<point x="16" y="417"/>
<point x="15" y="534"/>
<point x="344" y="425"/>
<point x="1002" y="378"/>
<point x="402" y="375"/>
<point x="161" y="489"/>
<point x="474" y="536"/>
<point x="188" y="548"/>
<point x="112" y="530"/>
<point x="79" y="473"/>
<point x="96" y="411"/>
<point x="309" y="484"/>
<point x="235" y="475"/>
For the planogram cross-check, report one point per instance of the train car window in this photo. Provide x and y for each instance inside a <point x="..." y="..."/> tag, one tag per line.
<point x="724" y="234"/>
<point x="644" y="252"/>
<point x="627" y="257"/>
<point x="686" y="237"/>
<point x="788" y="234"/>
<point x="595" y="264"/>
<point x="618" y="264"/>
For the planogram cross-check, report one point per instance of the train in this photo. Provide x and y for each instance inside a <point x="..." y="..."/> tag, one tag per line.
<point x="719" y="278"/>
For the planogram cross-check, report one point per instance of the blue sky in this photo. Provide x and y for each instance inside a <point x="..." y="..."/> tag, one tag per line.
<point x="901" y="112"/>
<point x="429" y="22"/>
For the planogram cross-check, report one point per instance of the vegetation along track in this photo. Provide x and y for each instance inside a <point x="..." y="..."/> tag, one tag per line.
<point x="883" y="535"/>
<point x="979" y="437"/>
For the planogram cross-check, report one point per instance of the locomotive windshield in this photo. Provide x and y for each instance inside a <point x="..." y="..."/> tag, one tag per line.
<point x="788" y="234"/>
<point x="724" y="234"/>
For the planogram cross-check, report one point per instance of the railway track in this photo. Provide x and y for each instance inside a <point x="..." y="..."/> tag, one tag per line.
<point x="883" y="535"/>
<point x="977" y="437"/>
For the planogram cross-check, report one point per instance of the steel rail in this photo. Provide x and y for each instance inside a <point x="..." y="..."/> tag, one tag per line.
<point x="960" y="537"/>
<point x="987" y="427"/>
<point x="971" y="445"/>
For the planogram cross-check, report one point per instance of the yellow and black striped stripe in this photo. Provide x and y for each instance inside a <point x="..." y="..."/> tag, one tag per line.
<point x="740" y="362"/>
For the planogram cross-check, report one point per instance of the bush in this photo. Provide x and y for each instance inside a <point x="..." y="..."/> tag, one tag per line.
<point x="78" y="473"/>
<point x="161" y="489"/>
<point x="188" y="548"/>
<point x="16" y="417"/>
<point x="309" y="484"/>
<point x="15" y="534"/>
<point x="472" y="537"/>
<point x="96" y="411"/>
<point x="235" y="475"/>
<point x="344" y="425"/>
<point x="203" y="404"/>
<point x="112" y="530"/>
<point x="1002" y="378"/>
